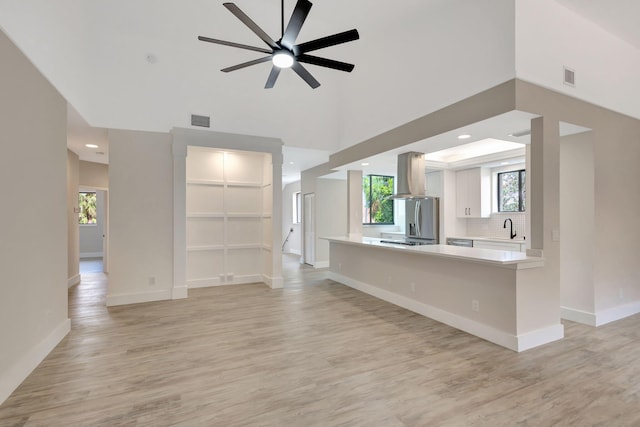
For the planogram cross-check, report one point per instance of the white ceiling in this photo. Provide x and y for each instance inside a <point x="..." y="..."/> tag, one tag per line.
<point x="96" y="54"/>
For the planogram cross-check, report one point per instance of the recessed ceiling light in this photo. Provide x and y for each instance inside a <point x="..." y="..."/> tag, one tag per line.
<point x="504" y="163"/>
<point x="464" y="136"/>
<point x="364" y="164"/>
<point x="91" y="145"/>
<point x="290" y="163"/>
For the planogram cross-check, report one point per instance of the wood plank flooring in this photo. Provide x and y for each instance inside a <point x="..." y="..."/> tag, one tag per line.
<point x="315" y="353"/>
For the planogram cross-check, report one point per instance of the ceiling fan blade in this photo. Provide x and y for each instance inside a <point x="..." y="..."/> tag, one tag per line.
<point x="324" y="62"/>
<point x="232" y="44"/>
<point x="252" y="25"/>
<point x="273" y="76"/>
<point x="306" y="76"/>
<point x="294" y="26"/>
<point x="246" y="64"/>
<point x="344" y="37"/>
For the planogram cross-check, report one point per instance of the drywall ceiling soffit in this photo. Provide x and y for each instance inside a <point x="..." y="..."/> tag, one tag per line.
<point x="80" y="134"/>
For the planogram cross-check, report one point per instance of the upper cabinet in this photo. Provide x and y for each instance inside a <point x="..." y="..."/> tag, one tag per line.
<point x="473" y="193"/>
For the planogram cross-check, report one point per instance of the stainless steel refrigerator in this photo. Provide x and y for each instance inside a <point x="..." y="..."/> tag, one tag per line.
<point x="422" y="220"/>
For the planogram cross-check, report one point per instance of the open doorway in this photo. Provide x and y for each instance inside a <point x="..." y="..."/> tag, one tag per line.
<point x="93" y="234"/>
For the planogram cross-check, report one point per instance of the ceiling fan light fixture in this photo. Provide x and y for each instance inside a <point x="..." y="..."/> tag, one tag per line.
<point x="282" y="59"/>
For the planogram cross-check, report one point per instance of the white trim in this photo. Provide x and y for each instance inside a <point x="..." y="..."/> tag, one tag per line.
<point x="215" y="281"/>
<point x="273" y="282"/>
<point x="513" y="342"/>
<point x="137" y="298"/>
<point x="616" y="313"/>
<point x="15" y="375"/>
<point x="74" y="280"/>
<point x="541" y="336"/>
<point x="91" y="254"/>
<point x="179" y="292"/>
<point x="321" y="264"/>
<point x="578" y="316"/>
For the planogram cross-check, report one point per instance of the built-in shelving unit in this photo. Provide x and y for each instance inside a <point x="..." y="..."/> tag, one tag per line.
<point x="229" y="216"/>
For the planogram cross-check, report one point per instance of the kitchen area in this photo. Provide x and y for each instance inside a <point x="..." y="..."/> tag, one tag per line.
<point x="458" y="248"/>
<point x="458" y="253"/>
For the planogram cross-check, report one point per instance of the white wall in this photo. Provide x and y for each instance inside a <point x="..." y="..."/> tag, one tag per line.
<point x="294" y="244"/>
<point x="446" y="51"/>
<point x="577" y="223"/>
<point x="34" y="215"/>
<point x="94" y="175"/>
<point x="550" y="36"/>
<point x="141" y="217"/>
<point x="331" y="215"/>
<point x="91" y="234"/>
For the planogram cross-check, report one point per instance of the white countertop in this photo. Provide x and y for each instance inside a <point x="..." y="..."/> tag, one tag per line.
<point x="518" y="239"/>
<point x="485" y="256"/>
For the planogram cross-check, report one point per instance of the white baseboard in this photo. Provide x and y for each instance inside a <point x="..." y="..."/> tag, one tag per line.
<point x="179" y="292"/>
<point x="540" y="337"/>
<point x="273" y="282"/>
<point x="504" y="339"/>
<point x="137" y="298"/>
<point x="91" y="254"/>
<point x="215" y="281"/>
<point x="602" y="317"/>
<point x="616" y="313"/>
<point x="15" y="375"/>
<point x="72" y="281"/>
<point x="321" y="264"/>
<point x="578" y="316"/>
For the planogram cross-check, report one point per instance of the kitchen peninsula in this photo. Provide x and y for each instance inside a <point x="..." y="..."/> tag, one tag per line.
<point x="496" y="295"/>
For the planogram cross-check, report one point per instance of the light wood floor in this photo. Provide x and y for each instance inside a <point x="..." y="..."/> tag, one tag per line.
<point x="315" y="354"/>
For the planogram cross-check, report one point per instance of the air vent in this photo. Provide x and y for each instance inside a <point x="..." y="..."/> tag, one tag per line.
<point x="202" y="121"/>
<point x="569" y="77"/>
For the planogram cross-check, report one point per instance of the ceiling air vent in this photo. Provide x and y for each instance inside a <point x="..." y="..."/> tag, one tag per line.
<point x="202" y="121"/>
<point x="569" y="77"/>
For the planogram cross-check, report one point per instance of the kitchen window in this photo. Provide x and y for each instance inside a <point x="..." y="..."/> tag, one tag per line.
<point x="378" y="209"/>
<point x="511" y="191"/>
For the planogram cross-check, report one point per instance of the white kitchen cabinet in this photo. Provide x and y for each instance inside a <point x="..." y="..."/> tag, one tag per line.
<point x="503" y="246"/>
<point x="473" y="193"/>
<point x="434" y="184"/>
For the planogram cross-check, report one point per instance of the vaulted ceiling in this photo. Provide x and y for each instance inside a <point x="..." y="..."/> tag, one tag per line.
<point x="138" y="64"/>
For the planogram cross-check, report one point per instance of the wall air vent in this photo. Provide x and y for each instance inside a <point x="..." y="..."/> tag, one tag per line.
<point x="202" y="121"/>
<point x="569" y="77"/>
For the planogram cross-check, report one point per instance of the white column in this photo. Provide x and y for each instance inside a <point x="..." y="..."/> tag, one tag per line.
<point x="179" y="151"/>
<point x="354" y="203"/>
<point x="276" y="252"/>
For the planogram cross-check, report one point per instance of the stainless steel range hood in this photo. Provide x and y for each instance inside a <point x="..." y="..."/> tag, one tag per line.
<point x="411" y="182"/>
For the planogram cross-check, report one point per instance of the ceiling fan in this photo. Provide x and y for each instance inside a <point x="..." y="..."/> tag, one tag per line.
<point x="284" y="53"/>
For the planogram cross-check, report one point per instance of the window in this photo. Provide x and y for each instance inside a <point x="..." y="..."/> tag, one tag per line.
<point x="377" y="208"/>
<point x="511" y="191"/>
<point x="87" y="204"/>
<point x="297" y="211"/>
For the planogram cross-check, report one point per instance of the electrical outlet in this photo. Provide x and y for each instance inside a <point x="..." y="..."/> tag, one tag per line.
<point x="230" y="277"/>
<point x="475" y="305"/>
<point x="555" y="235"/>
<point x="152" y="280"/>
<point x="412" y="285"/>
<point x="340" y="266"/>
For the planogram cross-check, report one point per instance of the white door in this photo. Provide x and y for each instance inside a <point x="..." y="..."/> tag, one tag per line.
<point x="309" y="229"/>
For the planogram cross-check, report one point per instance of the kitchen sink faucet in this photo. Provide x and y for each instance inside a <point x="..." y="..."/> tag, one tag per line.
<point x="511" y="233"/>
